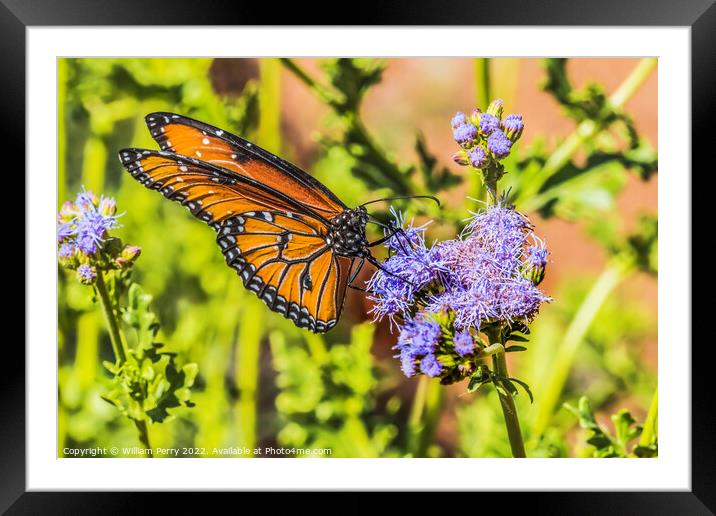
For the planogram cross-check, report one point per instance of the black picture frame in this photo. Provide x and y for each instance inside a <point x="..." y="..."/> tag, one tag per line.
<point x="700" y="16"/>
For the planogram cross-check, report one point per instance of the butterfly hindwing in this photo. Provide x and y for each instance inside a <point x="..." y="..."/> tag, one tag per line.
<point x="285" y="261"/>
<point x="275" y="244"/>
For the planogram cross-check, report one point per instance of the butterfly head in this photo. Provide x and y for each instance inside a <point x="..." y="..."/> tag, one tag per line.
<point x="347" y="233"/>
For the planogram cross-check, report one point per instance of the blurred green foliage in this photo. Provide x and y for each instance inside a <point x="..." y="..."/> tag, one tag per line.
<point x="261" y="381"/>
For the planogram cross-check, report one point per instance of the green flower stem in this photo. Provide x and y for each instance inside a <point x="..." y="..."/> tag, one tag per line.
<point x="118" y="346"/>
<point x="269" y="130"/>
<point x="416" y="415"/>
<point x="482" y="80"/>
<point x="483" y="96"/>
<point x="585" y="132"/>
<point x="509" y="411"/>
<point x="650" y="431"/>
<point x="62" y="74"/>
<point x="612" y="275"/>
<point x="247" y="370"/>
<point x="398" y="181"/>
<point x="424" y="415"/>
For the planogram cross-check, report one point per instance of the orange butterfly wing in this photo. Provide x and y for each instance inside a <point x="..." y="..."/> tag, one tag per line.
<point x="275" y="244"/>
<point x="197" y="139"/>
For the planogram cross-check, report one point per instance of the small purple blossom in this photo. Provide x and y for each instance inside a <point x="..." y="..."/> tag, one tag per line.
<point x="86" y="273"/>
<point x="478" y="157"/>
<point x="464" y="343"/>
<point x="407" y="362"/>
<point x="465" y="134"/>
<point x="418" y="338"/>
<point x="458" y="120"/>
<point x="537" y="255"/>
<point x="430" y="366"/>
<point x="66" y="250"/>
<point x="489" y="123"/>
<point x="64" y="232"/>
<point x="499" y="144"/>
<point x="86" y="200"/>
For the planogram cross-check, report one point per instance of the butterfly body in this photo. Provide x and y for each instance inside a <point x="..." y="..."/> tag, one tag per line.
<point x="347" y="235"/>
<point x="290" y="239"/>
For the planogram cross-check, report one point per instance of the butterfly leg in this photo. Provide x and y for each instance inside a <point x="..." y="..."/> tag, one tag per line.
<point x="394" y="231"/>
<point x="377" y="264"/>
<point x="355" y="275"/>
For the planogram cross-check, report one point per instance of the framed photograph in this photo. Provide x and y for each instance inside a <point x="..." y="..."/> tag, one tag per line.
<point x="408" y="254"/>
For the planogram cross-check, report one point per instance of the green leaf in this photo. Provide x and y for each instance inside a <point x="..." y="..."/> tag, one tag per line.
<point x="525" y="387"/>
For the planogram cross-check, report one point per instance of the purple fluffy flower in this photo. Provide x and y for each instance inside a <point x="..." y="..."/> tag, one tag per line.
<point x="499" y="144"/>
<point x="464" y="343"/>
<point x="410" y="236"/>
<point x="465" y="134"/>
<point x="458" y="120"/>
<point x="92" y="227"/>
<point x="489" y="123"/>
<point x="478" y="157"/>
<point x="430" y="366"/>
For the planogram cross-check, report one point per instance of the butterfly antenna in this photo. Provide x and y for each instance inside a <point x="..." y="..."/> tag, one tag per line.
<point x="403" y="197"/>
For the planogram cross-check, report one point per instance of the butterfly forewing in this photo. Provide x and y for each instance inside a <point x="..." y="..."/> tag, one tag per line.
<point x="199" y="140"/>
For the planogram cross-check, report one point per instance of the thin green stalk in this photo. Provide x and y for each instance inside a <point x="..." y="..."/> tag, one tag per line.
<point x="61" y="129"/>
<point x="483" y="96"/>
<point x="585" y="132"/>
<point x="482" y="80"/>
<point x="118" y="346"/>
<point x="415" y="420"/>
<point x="269" y="130"/>
<point x="424" y="414"/>
<point x="507" y="402"/>
<point x="650" y="431"/>
<point x="247" y="370"/>
<point x="567" y="350"/>
<point x="398" y="181"/>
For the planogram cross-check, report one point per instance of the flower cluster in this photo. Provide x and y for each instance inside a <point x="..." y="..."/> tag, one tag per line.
<point x="83" y="239"/>
<point x="486" y="138"/>
<point x="443" y="296"/>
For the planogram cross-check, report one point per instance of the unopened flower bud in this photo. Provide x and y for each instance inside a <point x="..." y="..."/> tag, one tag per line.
<point x="460" y="157"/>
<point x="495" y="108"/>
<point x="107" y="206"/>
<point x="513" y="126"/>
<point x="130" y="253"/>
<point x="68" y="212"/>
